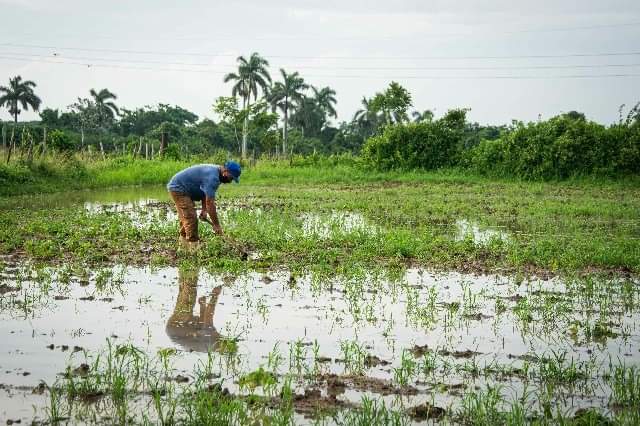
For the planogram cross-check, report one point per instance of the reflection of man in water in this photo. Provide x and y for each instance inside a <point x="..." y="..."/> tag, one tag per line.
<point x="193" y="332"/>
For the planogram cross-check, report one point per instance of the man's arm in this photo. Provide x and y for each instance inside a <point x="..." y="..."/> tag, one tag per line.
<point x="203" y="213"/>
<point x="213" y="214"/>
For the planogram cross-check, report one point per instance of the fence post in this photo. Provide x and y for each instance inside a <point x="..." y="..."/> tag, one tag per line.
<point x="24" y="128"/>
<point x="30" y="151"/>
<point x="12" y="144"/>
<point x="44" y="141"/>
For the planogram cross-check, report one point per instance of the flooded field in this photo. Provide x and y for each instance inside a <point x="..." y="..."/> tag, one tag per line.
<point x="257" y="341"/>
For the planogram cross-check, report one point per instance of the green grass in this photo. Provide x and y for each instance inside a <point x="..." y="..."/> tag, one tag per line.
<point x="550" y="227"/>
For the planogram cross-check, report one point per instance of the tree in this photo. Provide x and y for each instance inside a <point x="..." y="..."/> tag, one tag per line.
<point x="86" y="116"/>
<point x="252" y="75"/>
<point x="326" y="100"/>
<point x="283" y="94"/>
<point x="140" y="121"/>
<point x="366" y="119"/>
<point x="256" y="119"/>
<point x="309" y="117"/>
<point x="393" y="103"/>
<point x="19" y="93"/>
<point x="106" y="109"/>
<point x="50" y="117"/>
<point x="426" y="115"/>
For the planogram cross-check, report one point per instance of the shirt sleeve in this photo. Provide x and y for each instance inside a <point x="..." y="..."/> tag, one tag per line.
<point x="210" y="186"/>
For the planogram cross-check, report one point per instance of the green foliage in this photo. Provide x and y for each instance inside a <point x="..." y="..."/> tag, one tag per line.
<point x="18" y="94"/>
<point x="60" y="141"/>
<point x="559" y="148"/>
<point x="425" y="145"/>
<point x="393" y="103"/>
<point x="172" y="152"/>
<point x="50" y="117"/>
<point x="142" y="120"/>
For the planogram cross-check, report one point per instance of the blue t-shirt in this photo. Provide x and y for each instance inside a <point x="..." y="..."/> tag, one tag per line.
<point x="197" y="181"/>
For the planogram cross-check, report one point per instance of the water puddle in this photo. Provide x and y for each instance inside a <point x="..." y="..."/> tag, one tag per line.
<point x="425" y="337"/>
<point x="481" y="235"/>
<point x="337" y="222"/>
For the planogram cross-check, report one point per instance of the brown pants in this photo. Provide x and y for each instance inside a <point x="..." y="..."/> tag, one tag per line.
<point x="187" y="215"/>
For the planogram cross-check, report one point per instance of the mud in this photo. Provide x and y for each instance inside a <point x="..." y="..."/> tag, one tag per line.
<point x="426" y="411"/>
<point x="335" y="382"/>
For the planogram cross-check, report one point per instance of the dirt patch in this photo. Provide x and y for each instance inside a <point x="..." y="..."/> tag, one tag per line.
<point x="312" y="402"/>
<point x="524" y="357"/>
<point x="426" y="411"/>
<point x="477" y="317"/>
<point x="419" y="351"/>
<point x="374" y="361"/>
<point x="4" y="288"/>
<point x="81" y="371"/>
<point x="336" y="383"/>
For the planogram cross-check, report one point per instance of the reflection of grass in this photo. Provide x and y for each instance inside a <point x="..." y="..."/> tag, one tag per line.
<point x="625" y="384"/>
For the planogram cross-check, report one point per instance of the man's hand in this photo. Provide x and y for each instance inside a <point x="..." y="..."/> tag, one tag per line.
<point x="217" y="229"/>
<point x="203" y="215"/>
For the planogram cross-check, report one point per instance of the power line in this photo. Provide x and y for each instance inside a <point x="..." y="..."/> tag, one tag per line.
<point x="407" y="77"/>
<point x="212" y="55"/>
<point x="231" y="67"/>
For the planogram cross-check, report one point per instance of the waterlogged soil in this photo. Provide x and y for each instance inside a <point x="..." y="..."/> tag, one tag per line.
<point x="353" y="337"/>
<point x="423" y="342"/>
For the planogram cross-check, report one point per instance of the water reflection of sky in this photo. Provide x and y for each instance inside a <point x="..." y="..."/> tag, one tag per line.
<point x="189" y="309"/>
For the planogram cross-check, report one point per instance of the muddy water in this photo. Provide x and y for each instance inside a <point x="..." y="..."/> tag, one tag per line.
<point x="478" y="330"/>
<point x="191" y="310"/>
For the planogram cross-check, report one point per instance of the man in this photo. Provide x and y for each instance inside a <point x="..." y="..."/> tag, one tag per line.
<point x="200" y="183"/>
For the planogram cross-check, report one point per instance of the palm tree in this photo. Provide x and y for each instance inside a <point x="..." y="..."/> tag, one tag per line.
<point x="309" y="117"/>
<point x="426" y="115"/>
<point x="19" y="93"/>
<point x="107" y="110"/>
<point x="366" y="118"/>
<point x="252" y="75"/>
<point x="326" y="100"/>
<point x="283" y="95"/>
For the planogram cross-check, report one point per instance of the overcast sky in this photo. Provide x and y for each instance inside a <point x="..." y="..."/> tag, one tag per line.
<point x="453" y="53"/>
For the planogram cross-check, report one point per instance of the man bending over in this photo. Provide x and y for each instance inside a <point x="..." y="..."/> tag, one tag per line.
<point x="200" y="183"/>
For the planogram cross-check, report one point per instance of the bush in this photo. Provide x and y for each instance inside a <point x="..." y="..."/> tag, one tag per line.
<point x="564" y="146"/>
<point x="60" y="141"/>
<point x="172" y="152"/>
<point x="426" y="145"/>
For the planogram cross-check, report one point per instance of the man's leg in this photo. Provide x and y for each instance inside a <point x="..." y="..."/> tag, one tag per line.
<point x="187" y="215"/>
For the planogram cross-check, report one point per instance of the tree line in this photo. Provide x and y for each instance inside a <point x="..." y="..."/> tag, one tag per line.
<point x="278" y="116"/>
<point x="286" y="115"/>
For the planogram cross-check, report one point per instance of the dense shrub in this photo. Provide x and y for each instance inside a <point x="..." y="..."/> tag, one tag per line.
<point x="561" y="147"/>
<point x="426" y="145"/>
<point x="172" y="152"/>
<point x="60" y="141"/>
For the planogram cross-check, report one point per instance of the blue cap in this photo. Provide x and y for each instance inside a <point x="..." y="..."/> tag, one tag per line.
<point x="234" y="169"/>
